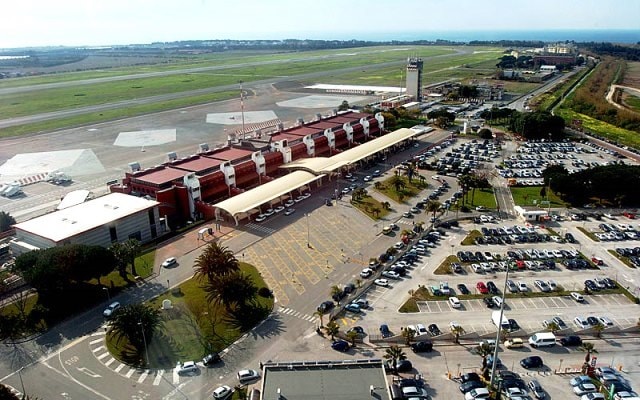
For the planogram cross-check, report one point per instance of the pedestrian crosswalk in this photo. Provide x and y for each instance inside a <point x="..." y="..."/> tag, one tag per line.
<point x="260" y="228"/>
<point x="297" y="314"/>
<point x="101" y="353"/>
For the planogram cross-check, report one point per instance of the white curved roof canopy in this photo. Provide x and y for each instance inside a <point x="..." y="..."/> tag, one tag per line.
<point x="247" y="201"/>
<point x="309" y="170"/>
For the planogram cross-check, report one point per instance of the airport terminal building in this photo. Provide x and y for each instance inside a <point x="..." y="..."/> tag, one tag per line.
<point x="187" y="187"/>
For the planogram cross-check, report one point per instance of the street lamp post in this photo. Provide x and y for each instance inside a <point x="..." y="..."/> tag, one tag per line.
<point x="499" y="326"/>
<point x="106" y="289"/>
<point x="144" y="339"/>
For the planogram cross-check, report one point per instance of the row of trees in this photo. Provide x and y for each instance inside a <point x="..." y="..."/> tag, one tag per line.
<point x="530" y="125"/>
<point x="613" y="185"/>
<point x="590" y="97"/>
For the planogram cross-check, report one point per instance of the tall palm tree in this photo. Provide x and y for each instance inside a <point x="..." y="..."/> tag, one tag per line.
<point x="320" y="315"/>
<point x="395" y="354"/>
<point x="598" y="328"/>
<point x="335" y="290"/>
<point x="590" y="349"/>
<point x="408" y="334"/>
<point x="397" y="182"/>
<point x="484" y="351"/>
<point x="129" y="321"/>
<point x="553" y="327"/>
<point x="456" y="331"/>
<point x="231" y="290"/>
<point x="332" y="329"/>
<point x="352" y="336"/>
<point x="215" y="260"/>
<point x="133" y="248"/>
<point x="120" y="253"/>
<point x="432" y="207"/>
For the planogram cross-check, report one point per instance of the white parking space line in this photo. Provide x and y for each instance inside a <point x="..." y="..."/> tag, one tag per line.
<point x="103" y="355"/>
<point x="119" y="368"/>
<point x="97" y="349"/>
<point x="130" y="372"/>
<point x="95" y="341"/>
<point x="176" y="378"/>
<point x="109" y="362"/>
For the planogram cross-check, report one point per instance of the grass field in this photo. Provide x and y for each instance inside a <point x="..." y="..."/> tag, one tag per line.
<point x="603" y="129"/>
<point x="482" y="197"/>
<point x="410" y="190"/>
<point x="110" y="115"/>
<point x="632" y="102"/>
<point x="371" y="207"/>
<point x="530" y="196"/>
<point x="191" y="329"/>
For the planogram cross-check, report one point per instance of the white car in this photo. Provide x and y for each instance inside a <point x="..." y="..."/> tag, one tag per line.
<point x="113" y="307"/>
<point x="581" y="323"/>
<point x="454" y="302"/>
<point x="381" y="282"/>
<point x="585" y="388"/>
<point x="187" y="368"/>
<point x="169" y="262"/>
<point x="222" y="392"/>
<point x="367" y="178"/>
<point x="278" y="209"/>
<point x="477" y="394"/>
<point x="398" y="245"/>
<point x="391" y="274"/>
<point x="261" y="218"/>
<point x="421" y="329"/>
<point x="269" y="212"/>
<point x="577" y="297"/>
<point x="593" y="396"/>
<point x="497" y="300"/>
<point x="247" y="375"/>
<point x="289" y="211"/>
<point x="289" y="203"/>
<point x="365" y="273"/>
<point x="522" y="286"/>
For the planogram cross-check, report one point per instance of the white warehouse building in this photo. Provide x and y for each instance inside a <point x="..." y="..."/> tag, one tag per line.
<point x="115" y="217"/>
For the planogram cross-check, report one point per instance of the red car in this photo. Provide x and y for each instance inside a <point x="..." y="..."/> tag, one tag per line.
<point x="482" y="288"/>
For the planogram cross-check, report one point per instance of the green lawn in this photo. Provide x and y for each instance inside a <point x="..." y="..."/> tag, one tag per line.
<point x="371" y="207"/>
<point x="603" y="129"/>
<point x="530" y="196"/>
<point x="192" y="328"/>
<point x="633" y="102"/>
<point x="481" y="197"/>
<point x="410" y="189"/>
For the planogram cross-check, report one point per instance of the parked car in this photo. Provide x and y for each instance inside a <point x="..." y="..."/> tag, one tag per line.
<point x="169" y="262"/>
<point x="248" y="375"/>
<point x="585" y="388"/>
<point x="577" y="297"/>
<point x="469" y="386"/>
<point x="381" y="282"/>
<point x="531" y="362"/>
<point x="434" y="330"/>
<point x="326" y="306"/>
<point x="400" y="366"/>
<point x="354" y="308"/>
<point x="422" y="346"/>
<point x="515" y="343"/>
<point x="222" y="392"/>
<point x="211" y="359"/>
<point x="482" y="288"/>
<point x="462" y="288"/>
<point x="454" y="302"/>
<point x="536" y="389"/>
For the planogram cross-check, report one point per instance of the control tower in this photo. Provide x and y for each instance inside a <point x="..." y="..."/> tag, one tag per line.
<point x="414" y="78"/>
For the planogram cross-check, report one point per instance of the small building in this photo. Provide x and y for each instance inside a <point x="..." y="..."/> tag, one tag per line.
<point x="531" y="213"/>
<point x="363" y="379"/>
<point x="115" y="217"/>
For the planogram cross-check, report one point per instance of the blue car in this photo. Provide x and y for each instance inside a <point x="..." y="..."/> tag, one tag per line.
<point x="354" y="308"/>
<point x="340" y="345"/>
<point x="384" y="330"/>
<point x="490" y="361"/>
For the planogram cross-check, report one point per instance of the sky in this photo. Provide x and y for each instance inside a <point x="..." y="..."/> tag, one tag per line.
<point x="25" y="23"/>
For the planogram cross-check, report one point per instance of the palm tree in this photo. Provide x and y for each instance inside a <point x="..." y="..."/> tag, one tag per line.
<point x="133" y="248"/>
<point x="553" y="327"/>
<point x="395" y="354"/>
<point x="386" y="205"/>
<point x="590" y="349"/>
<point x="433" y="207"/>
<point x="215" y="260"/>
<point x="484" y="350"/>
<point x="598" y="328"/>
<point x="352" y="336"/>
<point x="456" y="331"/>
<point x="335" y="291"/>
<point x="231" y="290"/>
<point x="121" y="256"/>
<point x="397" y="182"/>
<point x="320" y="315"/>
<point x="377" y="185"/>
<point x="408" y="334"/>
<point x="332" y="329"/>
<point x="128" y="322"/>
<point x="375" y="211"/>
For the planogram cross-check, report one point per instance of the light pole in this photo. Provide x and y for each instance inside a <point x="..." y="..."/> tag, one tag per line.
<point x="144" y="339"/>
<point x="499" y="326"/>
<point x="106" y="289"/>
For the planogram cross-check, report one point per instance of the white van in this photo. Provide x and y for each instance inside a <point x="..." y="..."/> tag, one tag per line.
<point x="542" y="339"/>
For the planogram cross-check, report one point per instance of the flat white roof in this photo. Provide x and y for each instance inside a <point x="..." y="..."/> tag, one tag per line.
<point x="73" y="199"/>
<point x="60" y="225"/>
<point x="327" y="86"/>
